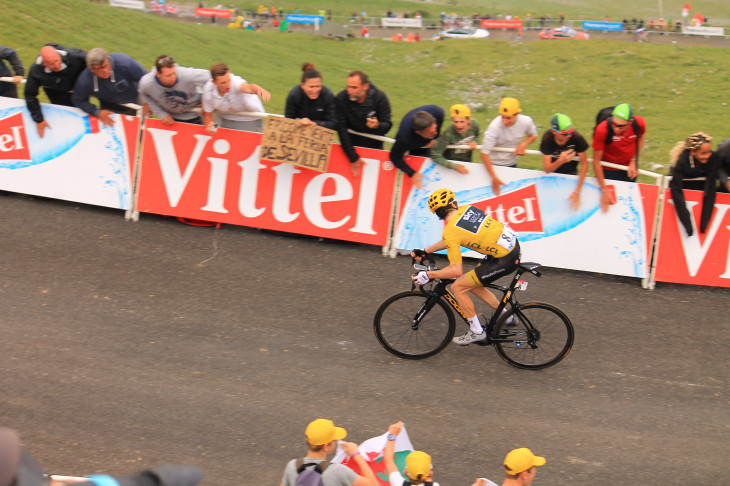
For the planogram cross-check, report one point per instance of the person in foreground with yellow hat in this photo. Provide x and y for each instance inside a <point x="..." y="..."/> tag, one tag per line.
<point x="463" y="131"/>
<point x="510" y="130"/>
<point x="520" y="468"/>
<point x="322" y="437"/>
<point x="418" y="464"/>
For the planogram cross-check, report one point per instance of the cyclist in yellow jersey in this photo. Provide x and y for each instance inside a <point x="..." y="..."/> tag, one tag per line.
<point x="470" y="227"/>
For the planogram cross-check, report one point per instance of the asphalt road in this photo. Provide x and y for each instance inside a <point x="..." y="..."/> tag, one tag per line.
<point x="126" y="345"/>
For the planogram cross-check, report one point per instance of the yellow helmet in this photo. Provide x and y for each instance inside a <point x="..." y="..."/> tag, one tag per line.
<point x="440" y="198"/>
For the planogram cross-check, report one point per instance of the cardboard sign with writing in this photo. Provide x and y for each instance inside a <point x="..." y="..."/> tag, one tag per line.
<point x="285" y="140"/>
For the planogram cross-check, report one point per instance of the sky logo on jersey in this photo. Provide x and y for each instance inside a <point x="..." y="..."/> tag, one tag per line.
<point x="21" y="145"/>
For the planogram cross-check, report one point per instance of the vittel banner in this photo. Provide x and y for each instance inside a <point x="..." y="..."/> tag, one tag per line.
<point x="700" y="259"/>
<point x="220" y="177"/>
<point x="77" y="159"/>
<point x="536" y="206"/>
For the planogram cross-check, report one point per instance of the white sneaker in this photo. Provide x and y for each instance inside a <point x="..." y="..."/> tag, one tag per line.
<point x="512" y="321"/>
<point x="470" y="337"/>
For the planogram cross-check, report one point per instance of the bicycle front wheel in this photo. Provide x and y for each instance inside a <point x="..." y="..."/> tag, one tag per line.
<point x="539" y="335"/>
<point x="407" y="328"/>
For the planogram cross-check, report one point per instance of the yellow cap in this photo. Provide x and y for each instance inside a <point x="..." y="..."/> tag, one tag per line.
<point x="323" y="431"/>
<point x="509" y="106"/>
<point x="418" y="465"/>
<point x="460" y="110"/>
<point x="520" y="460"/>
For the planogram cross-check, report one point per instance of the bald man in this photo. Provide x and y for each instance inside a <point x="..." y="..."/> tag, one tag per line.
<point x="56" y="70"/>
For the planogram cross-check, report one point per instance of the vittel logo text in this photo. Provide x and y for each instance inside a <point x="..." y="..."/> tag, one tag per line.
<point x="325" y="200"/>
<point x="13" y="144"/>
<point x="520" y="209"/>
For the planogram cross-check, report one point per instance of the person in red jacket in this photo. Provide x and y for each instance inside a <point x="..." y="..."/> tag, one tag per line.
<point x="618" y="139"/>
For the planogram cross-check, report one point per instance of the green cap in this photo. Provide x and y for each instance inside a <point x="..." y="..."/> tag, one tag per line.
<point x="623" y="111"/>
<point x="561" y="123"/>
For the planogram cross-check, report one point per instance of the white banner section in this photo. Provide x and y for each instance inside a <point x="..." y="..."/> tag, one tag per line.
<point x="133" y="4"/>
<point x="76" y="160"/>
<point x="396" y="22"/>
<point x="699" y="30"/>
<point x="536" y="206"/>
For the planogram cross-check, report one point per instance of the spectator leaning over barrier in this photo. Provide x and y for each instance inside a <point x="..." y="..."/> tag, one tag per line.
<point x="310" y="102"/>
<point x="363" y="108"/>
<point x="418" y="464"/>
<point x="520" y="468"/>
<point x="322" y="438"/>
<point x="723" y="171"/>
<point x="560" y="145"/>
<point x="113" y="79"/>
<point x="18" y="468"/>
<point x="417" y="133"/>
<point x="230" y="94"/>
<point x="512" y="130"/>
<point x="56" y="70"/>
<point x="9" y="89"/>
<point x="616" y="140"/>
<point x="172" y="92"/>
<point x="694" y="158"/>
<point x="462" y="131"/>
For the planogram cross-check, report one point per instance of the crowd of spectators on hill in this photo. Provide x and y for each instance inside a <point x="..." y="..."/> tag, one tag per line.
<point x="360" y="114"/>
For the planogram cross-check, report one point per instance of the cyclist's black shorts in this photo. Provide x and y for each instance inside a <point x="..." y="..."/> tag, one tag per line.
<point x="491" y="268"/>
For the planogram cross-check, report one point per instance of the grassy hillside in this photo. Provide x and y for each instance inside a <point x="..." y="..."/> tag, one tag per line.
<point x="678" y="89"/>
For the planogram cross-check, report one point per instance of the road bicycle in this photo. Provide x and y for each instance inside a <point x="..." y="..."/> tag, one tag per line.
<point x="420" y="323"/>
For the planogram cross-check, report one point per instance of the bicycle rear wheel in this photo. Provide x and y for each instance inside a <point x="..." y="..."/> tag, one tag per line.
<point x="400" y="330"/>
<point x="539" y="336"/>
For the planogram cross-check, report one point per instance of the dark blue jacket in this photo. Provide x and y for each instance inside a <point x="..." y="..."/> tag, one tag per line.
<point x="406" y="140"/>
<point x="119" y="88"/>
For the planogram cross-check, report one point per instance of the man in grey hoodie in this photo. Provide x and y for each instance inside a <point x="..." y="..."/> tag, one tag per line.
<point x="172" y="92"/>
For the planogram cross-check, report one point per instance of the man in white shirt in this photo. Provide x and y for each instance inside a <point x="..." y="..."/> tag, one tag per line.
<point x="512" y="130"/>
<point x="229" y="94"/>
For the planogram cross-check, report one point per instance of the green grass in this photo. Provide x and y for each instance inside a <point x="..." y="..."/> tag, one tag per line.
<point x="678" y="89"/>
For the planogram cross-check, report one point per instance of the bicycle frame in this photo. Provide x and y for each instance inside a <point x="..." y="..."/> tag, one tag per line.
<point x="508" y="297"/>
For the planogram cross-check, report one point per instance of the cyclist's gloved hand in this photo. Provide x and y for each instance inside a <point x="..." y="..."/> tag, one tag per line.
<point x="421" y="278"/>
<point x="418" y="254"/>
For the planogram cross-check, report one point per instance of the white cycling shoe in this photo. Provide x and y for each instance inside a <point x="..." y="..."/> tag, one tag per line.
<point x="469" y="337"/>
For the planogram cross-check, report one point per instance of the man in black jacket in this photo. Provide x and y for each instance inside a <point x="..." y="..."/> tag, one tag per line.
<point x="56" y="70"/>
<point x="363" y="108"/>
<point x="9" y="89"/>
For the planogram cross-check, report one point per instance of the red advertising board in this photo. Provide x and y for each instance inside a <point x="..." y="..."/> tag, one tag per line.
<point x="213" y="12"/>
<point x="190" y="173"/>
<point x="503" y="24"/>
<point x="700" y="259"/>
